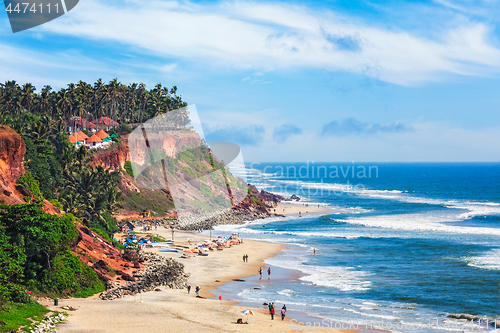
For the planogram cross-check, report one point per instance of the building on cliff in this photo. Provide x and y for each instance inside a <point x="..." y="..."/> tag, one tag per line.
<point x="78" y="124"/>
<point x="105" y="123"/>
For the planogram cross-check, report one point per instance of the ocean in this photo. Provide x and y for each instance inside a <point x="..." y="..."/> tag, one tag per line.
<point x="406" y="244"/>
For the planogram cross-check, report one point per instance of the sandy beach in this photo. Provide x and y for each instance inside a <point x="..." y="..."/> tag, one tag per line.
<point x="294" y="208"/>
<point x="175" y="310"/>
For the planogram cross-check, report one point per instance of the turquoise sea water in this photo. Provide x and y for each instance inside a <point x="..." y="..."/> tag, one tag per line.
<point x="406" y="244"/>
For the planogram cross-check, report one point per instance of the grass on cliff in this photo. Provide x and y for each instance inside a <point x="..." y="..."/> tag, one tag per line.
<point x="15" y="315"/>
<point x="154" y="201"/>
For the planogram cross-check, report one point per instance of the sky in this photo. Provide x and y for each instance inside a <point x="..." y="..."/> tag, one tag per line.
<point x="294" y="81"/>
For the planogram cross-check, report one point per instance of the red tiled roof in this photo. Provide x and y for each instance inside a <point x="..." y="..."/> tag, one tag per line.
<point x="85" y="123"/>
<point x="106" y="121"/>
<point x="79" y="122"/>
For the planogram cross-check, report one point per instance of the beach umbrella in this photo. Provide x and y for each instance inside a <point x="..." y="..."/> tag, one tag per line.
<point x="248" y="312"/>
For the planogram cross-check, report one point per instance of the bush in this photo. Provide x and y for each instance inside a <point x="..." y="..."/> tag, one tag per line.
<point x="128" y="168"/>
<point x="56" y="204"/>
<point x="70" y="276"/>
<point x="31" y="184"/>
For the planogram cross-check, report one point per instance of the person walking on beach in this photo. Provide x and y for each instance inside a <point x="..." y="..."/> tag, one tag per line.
<point x="269" y="273"/>
<point x="244" y="257"/>
<point x="270" y="306"/>
<point x="189" y="289"/>
<point x="197" y="290"/>
<point x="260" y="272"/>
<point x="283" y="313"/>
<point x="272" y="313"/>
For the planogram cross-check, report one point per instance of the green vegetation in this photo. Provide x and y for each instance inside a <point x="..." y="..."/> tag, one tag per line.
<point x="15" y="315"/>
<point x="56" y="204"/>
<point x="34" y="252"/>
<point x="128" y="168"/>
<point x="155" y="201"/>
<point x="35" y="246"/>
<point x="134" y="102"/>
<point x="31" y="184"/>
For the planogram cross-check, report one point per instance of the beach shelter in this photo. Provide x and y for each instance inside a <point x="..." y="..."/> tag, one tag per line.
<point x="81" y="136"/>
<point x="94" y="141"/>
<point x="102" y="135"/>
<point x="106" y="141"/>
<point x="248" y="312"/>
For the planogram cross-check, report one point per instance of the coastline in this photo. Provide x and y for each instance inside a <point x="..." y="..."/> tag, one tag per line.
<point x="176" y="308"/>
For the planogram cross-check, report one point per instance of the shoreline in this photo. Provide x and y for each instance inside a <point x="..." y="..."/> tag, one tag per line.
<point x="177" y="308"/>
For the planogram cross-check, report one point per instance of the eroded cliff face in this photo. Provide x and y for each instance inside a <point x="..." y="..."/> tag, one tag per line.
<point x="110" y="264"/>
<point x="112" y="159"/>
<point x="12" y="151"/>
<point x="171" y="143"/>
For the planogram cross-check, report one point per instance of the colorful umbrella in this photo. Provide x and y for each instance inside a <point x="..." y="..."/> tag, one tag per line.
<point x="247" y="312"/>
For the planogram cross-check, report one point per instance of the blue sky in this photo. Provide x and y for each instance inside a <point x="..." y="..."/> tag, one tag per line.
<point x="293" y="81"/>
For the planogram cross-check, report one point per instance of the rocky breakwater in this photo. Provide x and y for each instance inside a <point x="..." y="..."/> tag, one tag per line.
<point x="231" y="216"/>
<point x="48" y="324"/>
<point x="256" y="205"/>
<point x="157" y="271"/>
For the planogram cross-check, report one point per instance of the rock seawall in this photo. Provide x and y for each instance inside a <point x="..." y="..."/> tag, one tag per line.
<point x="158" y="271"/>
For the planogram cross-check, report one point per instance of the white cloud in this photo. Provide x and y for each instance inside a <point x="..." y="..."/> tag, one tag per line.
<point x="265" y="36"/>
<point x="429" y="142"/>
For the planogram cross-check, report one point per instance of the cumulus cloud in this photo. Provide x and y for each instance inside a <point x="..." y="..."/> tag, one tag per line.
<point x="352" y="126"/>
<point x="284" y="132"/>
<point x="243" y="136"/>
<point x="264" y="36"/>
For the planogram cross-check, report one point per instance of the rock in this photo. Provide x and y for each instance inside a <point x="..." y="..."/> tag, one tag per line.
<point x="157" y="271"/>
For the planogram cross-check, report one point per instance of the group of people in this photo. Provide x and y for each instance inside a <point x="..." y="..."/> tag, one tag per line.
<point x="272" y="311"/>
<point x="245" y="258"/>
<point x="268" y="272"/>
<point x="197" y="290"/>
<point x="148" y="227"/>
